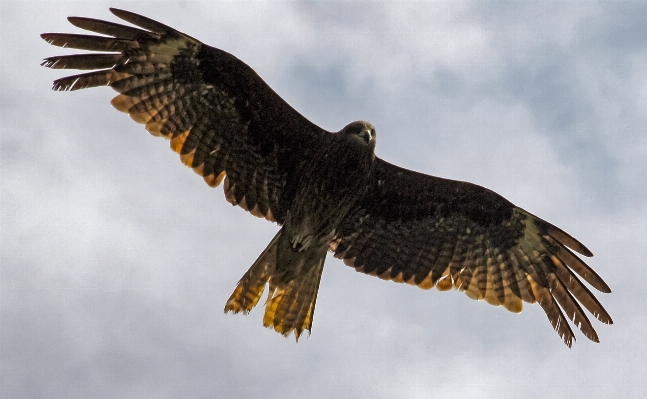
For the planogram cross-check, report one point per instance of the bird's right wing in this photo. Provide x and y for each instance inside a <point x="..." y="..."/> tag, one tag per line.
<point x="220" y="116"/>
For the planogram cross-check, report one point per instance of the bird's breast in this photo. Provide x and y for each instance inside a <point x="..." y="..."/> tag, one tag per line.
<point x="329" y="184"/>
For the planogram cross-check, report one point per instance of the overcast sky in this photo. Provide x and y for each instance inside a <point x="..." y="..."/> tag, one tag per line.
<point x="117" y="260"/>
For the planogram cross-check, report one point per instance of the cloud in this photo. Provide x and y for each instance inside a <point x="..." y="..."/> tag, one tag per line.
<point x="117" y="260"/>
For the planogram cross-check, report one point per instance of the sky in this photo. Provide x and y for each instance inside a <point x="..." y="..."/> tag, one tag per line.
<point x="116" y="260"/>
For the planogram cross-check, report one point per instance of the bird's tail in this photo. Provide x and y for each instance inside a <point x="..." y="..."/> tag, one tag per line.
<point x="251" y="285"/>
<point x="290" y="305"/>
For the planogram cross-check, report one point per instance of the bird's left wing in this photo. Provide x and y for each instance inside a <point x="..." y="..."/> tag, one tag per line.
<point x="220" y="116"/>
<point x="428" y="231"/>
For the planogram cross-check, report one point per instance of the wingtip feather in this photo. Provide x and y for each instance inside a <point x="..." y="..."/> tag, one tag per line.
<point x="568" y="240"/>
<point x="144" y="22"/>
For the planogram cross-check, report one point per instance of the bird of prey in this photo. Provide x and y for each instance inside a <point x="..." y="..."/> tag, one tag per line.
<point x="328" y="191"/>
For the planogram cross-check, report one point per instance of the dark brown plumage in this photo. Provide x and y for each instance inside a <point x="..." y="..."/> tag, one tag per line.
<point x="328" y="191"/>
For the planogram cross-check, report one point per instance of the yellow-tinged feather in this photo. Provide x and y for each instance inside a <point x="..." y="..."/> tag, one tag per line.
<point x="513" y="304"/>
<point x="199" y="169"/>
<point x="210" y="180"/>
<point x="271" y="306"/>
<point x="178" y="141"/>
<point x="473" y="291"/>
<point x="412" y="281"/>
<point x="351" y="262"/>
<point x="537" y="291"/>
<point x="386" y="275"/>
<point x="427" y="283"/>
<point x="270" y="216"/>
<point x="398" y="278"/>
<point x="444" y="284"/>
<point x="290" y="306"/>
<point x="142" y="117"/>
<point x="490" y="295"/>
<point x="307" y="321"/>
<point x="155" y="128"/>
<point x="256" y="212"/>
<point x="187" y="158"/>
<point x="219" y="178"/>
<point x="214" y="181"/>
<point x="525" y="294"/>
<point x="239" y="303"/>
<point x="371" y="273"/>
<point x="122" y="103"/>
<point x="243" y="204"/>
<point x="458" y="282"/>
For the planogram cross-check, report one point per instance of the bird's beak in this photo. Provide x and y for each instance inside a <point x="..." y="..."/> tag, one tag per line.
<point x="366" y="135"/>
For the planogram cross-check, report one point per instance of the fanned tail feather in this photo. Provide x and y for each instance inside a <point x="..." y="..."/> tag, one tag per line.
<point x="251" y="285"/>
<point x="290" y="307"/>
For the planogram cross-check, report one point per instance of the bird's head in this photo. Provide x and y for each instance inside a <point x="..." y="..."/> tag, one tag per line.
<point x="360" y="132"/>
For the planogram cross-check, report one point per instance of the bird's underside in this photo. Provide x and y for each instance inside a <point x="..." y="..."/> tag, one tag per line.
<point x="328" y="191"/>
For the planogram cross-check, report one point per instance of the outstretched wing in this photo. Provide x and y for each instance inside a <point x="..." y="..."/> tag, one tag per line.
<point x="220" y="116"/>
<point x="428" y="231"/>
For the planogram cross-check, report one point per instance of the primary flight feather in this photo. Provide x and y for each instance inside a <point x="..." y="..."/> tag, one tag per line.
<point x="328" y="191"/>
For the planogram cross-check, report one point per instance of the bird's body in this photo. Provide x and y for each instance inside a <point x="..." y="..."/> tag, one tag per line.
<point x="326" y="183"/>
<point x="328" y="191"/>
<point x="321" y="197"/>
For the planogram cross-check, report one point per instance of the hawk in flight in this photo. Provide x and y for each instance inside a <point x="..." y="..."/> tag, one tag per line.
<point x="327" y="191"/>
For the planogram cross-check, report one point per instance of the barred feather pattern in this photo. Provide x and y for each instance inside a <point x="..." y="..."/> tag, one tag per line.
<point x="252" y="284"/>
<point x="169" y="82"/>
<point x="503" y="259"/>
<point x="290" y="304"/>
